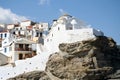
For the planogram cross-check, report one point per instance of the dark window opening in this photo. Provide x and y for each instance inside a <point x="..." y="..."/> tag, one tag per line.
<point x="41" y="25"/>
<point x="52" y="35"/>
<point x="0" y="44"/>
<point x="16" y="28"/>
<point x="1" y="35"/>
<point x="13" y="32"/>
<point x="58" y="28"/>
<point x="27" y="47"/>
<point x="37" y="34"/>
<point x="49" y="28"/>
<point x="21" y="45"/>
<point x="19" y="32"/>
<point x="20" y="56"/>
<point x="5" y="50"/>
<point x="41" y="34"/>
<point x="5" y="35"/>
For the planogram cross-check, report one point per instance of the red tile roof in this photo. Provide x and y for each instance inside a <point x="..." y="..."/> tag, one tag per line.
<point x="10" y="24"/>
<point x="4" y="31"/>
<point x="29" y="27"/>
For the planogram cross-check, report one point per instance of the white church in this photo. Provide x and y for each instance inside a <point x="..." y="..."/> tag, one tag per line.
<point x="66" y="29"/>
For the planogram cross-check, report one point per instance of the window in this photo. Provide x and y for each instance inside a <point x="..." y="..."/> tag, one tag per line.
<point x="20" y="28"/>
<point x="20" y="56"/>
<point x="25" y="46"/>
<point x="37" y="34"/>
<point x="41" y="25"/>
<point x="52" y="35"/>
<point x="1" y="35"/>
<point x="0" y="44"/>
<point x="21" y="45"/>
<point x="58" y="28"/>
<point x="40" y="34"/>
<point x="5" y="35"/>
<point x="19" y="32"/>
<point x="16" y="28"/>
<point x="5" y="50"/>
<point x="14" y="32"/>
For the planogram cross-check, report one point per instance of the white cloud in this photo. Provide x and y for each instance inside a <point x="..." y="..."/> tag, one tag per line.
<point x="7" y="16"/>
<point x="42" y="2"/>
<point x="62" y="11"/>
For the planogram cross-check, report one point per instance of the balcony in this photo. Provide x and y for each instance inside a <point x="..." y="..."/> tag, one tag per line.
<point x="23" y="49"/>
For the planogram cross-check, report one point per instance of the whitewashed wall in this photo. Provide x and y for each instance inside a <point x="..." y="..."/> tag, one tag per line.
<point x="5" y="44"/>
<point x="25" y="23"/>
<point x="56" y="37"/>
<point x="3" y="59"/>
<point x="3" y="35"/>
<point x="10" y="26"/>
<point x="22" y="66"/>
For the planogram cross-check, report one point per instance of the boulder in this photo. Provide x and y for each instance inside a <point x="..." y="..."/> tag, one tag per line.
<point x="93" y="59"/>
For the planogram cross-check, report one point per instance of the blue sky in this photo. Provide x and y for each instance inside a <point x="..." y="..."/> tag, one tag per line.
<point x="101" y="14"/>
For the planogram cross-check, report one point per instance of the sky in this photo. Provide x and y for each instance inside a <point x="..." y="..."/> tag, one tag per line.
<point x="100" y="14"/>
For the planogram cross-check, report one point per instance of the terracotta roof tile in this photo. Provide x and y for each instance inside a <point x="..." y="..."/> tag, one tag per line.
<point x="4" y="31"/>
<point x="29" y="27"/>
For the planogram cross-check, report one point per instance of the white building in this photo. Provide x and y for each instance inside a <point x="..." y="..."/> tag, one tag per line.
<point x="19" y="31"/>
<point x="26" y="23"/>
<point x="40" y="30"/>
<point x="11" y="26"/>
<point x="15" y="33"/>
<point x="4" y="36"/>
<point x="68" y="29"/>
<point x="20" y="49"/>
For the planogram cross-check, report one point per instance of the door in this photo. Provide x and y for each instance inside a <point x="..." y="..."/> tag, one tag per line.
<point x="20" y="56"/>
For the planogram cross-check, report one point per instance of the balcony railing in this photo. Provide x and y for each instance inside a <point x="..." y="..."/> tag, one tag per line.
<point x="23" y="49"/>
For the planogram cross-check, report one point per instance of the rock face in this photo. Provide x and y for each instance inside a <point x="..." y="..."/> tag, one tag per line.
<point x="35" y="75"/>
<point x="95" y="59"/>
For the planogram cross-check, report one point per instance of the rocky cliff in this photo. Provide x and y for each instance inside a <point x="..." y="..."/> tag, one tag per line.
<point x="35" y="75"/>
<point x="95" y="59"/>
